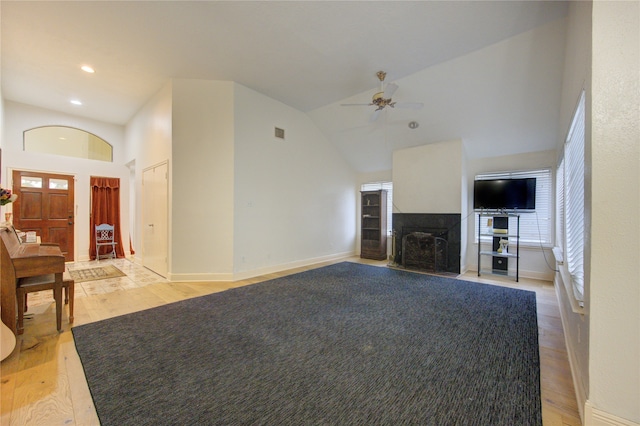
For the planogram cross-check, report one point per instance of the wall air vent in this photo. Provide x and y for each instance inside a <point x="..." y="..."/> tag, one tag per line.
<point x="279" y="133"/>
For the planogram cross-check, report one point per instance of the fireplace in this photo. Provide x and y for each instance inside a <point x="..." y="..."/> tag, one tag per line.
<point x="424" y="251"/>
<point x="427" y="242"/>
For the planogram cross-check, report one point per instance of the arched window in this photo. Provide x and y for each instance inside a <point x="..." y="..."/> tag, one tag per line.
<point x="67" y="141"/>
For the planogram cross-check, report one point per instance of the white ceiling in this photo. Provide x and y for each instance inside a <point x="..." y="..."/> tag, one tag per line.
<point x="309" y="55"/>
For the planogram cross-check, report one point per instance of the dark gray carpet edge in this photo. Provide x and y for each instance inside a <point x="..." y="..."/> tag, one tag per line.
<point x="346" y="344"/>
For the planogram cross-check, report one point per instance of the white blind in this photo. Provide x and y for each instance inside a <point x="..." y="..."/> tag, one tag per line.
<point x="387" y="186"/>
<point x="574" y="200"/>
<point x="560" y="225"/>
<point x="535" y="226"/>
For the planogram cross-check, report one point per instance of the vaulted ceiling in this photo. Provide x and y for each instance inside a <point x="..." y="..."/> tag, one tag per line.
<point x="488" y="73"/>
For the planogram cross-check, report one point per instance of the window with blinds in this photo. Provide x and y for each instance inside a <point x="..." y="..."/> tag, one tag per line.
<point x="571" y="210"/>
<point x="560" y="225"/>
<point x="387" y="186"/>
<point x="535" y="226"/>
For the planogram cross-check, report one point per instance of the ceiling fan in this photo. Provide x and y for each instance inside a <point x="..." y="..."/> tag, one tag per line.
<point x="383" y="98"/>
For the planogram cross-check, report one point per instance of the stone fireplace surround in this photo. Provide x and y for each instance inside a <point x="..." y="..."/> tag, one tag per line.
<point x="443" y="225"/>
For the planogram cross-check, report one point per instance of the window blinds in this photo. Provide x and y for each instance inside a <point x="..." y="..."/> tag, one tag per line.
<point x="560" y="225"/>
<point x="574" y="200"/>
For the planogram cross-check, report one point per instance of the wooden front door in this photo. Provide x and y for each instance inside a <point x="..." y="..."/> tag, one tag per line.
<point x="45" y="205"/>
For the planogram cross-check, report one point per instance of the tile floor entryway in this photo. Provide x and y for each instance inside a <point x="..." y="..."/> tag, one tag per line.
<point x="135" y="276"/>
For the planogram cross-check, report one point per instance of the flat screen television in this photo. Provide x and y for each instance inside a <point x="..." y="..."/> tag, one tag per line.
<point x="505" y="194"/>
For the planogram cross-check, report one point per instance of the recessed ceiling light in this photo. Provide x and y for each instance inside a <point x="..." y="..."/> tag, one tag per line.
<point x="76" y="102"/>
<point x="87" y="68"/>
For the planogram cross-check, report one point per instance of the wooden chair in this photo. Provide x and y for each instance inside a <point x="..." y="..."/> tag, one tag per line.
<point x="105" y="237"/>
<point x="55" y="282"/>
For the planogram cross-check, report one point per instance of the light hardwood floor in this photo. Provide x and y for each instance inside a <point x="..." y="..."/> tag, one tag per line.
<point x="43" y="382"/>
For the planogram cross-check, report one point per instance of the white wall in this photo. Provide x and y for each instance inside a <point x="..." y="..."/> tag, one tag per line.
<point x="380" y="176"/>
<point x="465" y="209"/>
<point x="148" y="142"/>
<point x="614" y="335"/>
<point x="532" y="260"/>
<point x="1" y="125"/>
<point x="202" y="180"/>
<point x="295" y="199"/>
<point x="19" y="117"/>
<point x="242" y="202"/>
<point x="428" y="178"/>
<point x="148" y="133"/>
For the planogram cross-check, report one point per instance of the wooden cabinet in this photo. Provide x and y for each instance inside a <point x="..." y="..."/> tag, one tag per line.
<point x="374" y="225"/>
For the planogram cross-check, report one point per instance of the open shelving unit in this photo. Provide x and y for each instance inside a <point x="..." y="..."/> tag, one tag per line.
<point x="374" y="225"/>
<point x="498" y="253"/>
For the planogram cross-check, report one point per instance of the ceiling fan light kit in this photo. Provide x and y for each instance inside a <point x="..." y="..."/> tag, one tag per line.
<point x="383" y="98"/>
<point x="377" y="96"/>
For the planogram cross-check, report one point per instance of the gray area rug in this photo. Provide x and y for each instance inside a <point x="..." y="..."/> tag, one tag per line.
<point x="347" y="344"/>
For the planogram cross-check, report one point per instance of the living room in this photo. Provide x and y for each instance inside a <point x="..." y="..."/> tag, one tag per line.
<point x="244" y="203"/>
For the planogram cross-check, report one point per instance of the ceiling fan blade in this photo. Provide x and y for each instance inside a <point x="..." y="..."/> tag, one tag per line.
<point x="390" y="90"/>
<point x="412" y="105"/>
<point x="375" y="115"/>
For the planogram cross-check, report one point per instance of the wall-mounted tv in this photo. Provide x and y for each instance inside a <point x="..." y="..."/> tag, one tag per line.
<point x="504" y="194"/>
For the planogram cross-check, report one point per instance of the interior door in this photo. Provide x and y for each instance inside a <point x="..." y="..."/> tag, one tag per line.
<point x="45" y="205"/>
<point x="155" y="207"/>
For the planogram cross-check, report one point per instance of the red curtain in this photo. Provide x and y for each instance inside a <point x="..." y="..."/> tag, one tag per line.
<point x="105" y="208"/>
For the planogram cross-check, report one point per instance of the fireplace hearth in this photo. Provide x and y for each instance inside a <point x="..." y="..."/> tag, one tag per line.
<point x="427" y="242"/>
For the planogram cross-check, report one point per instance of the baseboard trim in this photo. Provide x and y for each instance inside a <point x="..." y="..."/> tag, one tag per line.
<point x="199" y="277"/>
<point x="237" y="276"/>
<point x="291" y="265"/>
<point x="596" y="417"/>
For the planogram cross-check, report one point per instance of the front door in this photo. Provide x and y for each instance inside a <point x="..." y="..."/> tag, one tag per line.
<point x="45" y="205"/>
